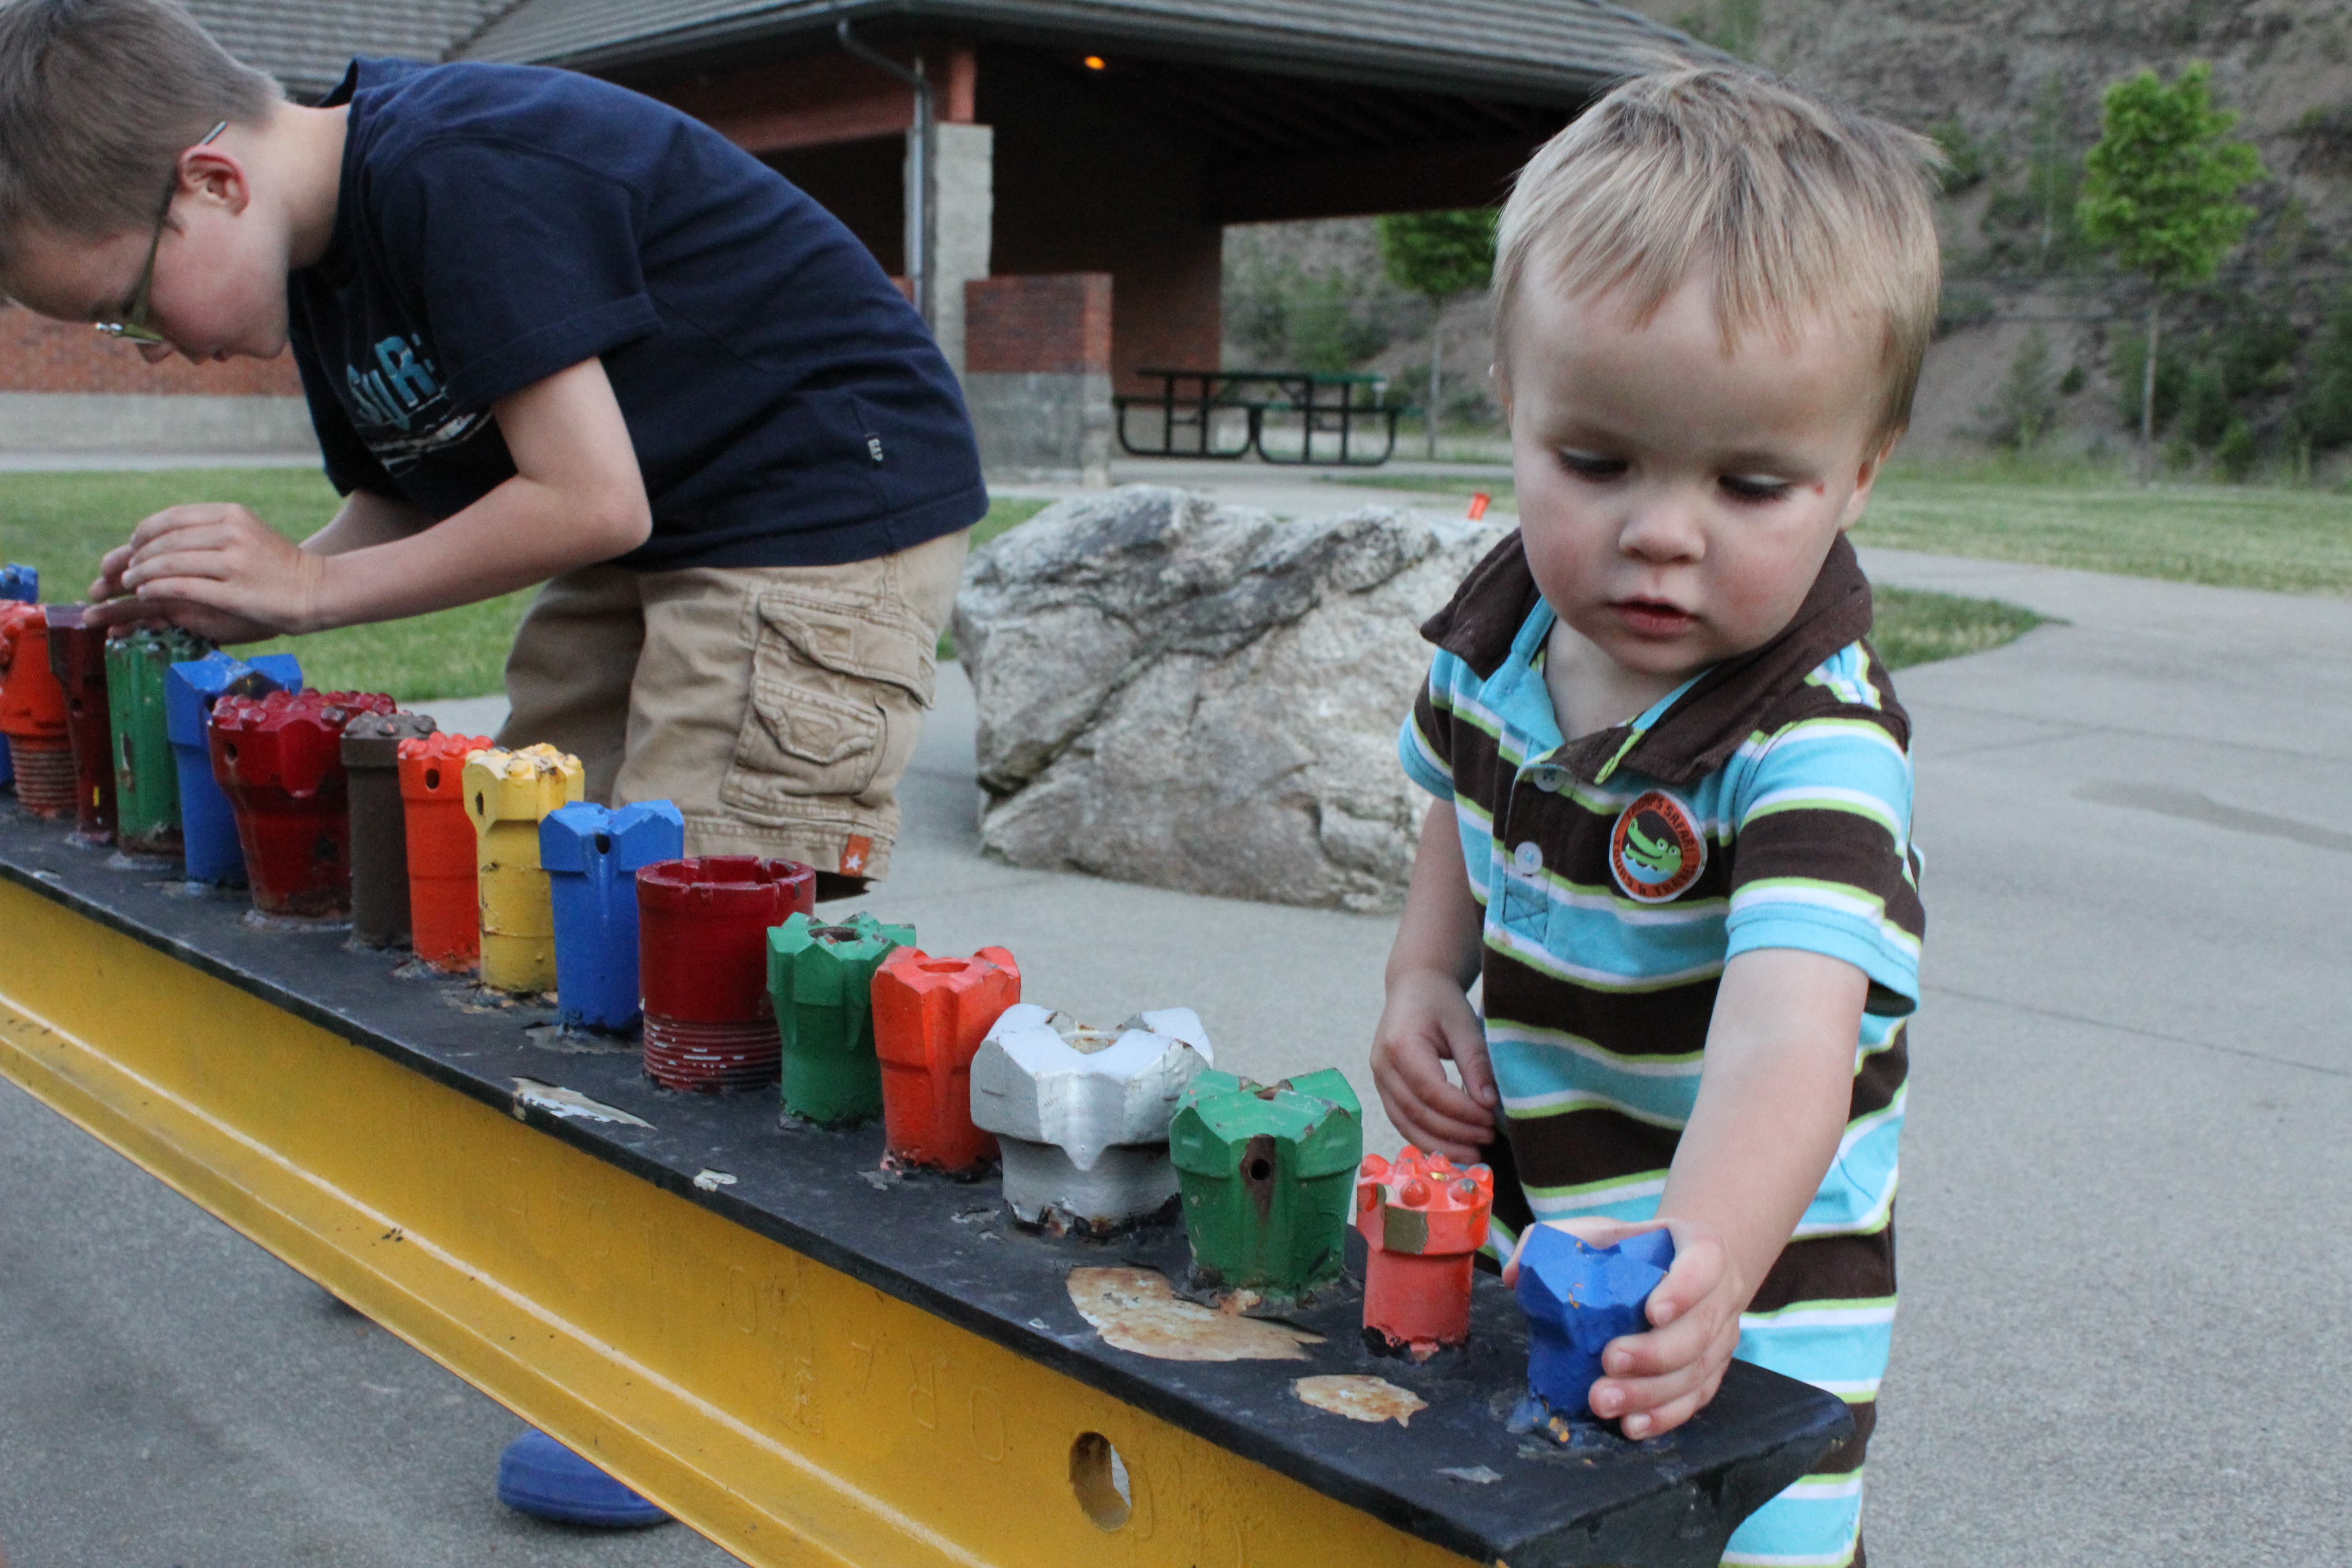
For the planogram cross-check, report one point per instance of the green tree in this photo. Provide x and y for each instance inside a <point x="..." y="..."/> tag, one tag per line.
<point x="2161" y="189"/>
<point x="1438" y="255"/>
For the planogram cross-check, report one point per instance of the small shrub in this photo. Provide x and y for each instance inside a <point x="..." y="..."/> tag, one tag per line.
<point x="2129" y="362"/>
<point x="2023" y="408"/>
<point x="2254" y="346"/>
<point x="1470" y="406"/>
<point x="1282" y="316"/>
<point x="1730" y="26"/>
<point x="1961" y="308"/>
<point x="1328" y="327"/>
<point x="2324" y="411"/>
<point x="2205" y="412"/>
<point x="1967" y="159"/>
<point x="2233" y="455"/>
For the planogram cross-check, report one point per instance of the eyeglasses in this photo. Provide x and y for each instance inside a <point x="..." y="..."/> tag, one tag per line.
<point x="135" y="327"/>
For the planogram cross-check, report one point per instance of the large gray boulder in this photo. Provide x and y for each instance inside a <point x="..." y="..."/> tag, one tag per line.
<point x="1207" y="697"/>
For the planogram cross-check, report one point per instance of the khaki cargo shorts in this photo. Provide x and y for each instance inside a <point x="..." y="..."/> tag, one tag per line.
<point x="778" y="706"/>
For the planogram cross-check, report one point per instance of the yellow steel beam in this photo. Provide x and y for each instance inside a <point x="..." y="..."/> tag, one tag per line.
<point x="789" y="1412"/>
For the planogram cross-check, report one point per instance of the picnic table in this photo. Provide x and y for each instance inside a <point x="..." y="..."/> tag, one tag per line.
<point x="1341" y="419"/>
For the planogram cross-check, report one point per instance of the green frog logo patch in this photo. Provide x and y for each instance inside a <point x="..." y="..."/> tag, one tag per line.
<point x="1655" y="850"/>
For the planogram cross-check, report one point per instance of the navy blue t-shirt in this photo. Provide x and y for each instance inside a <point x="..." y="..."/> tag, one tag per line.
<point x="498" y="223"/>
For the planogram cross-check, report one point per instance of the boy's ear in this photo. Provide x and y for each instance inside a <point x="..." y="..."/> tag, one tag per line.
<point x="1871" y="463"/>
<point x="1502" y="391"/>
<point x="216" y="174"/>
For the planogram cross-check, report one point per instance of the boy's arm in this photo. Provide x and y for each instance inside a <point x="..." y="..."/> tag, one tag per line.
<point x="577" y="497"/>
<point x="1774" y="1091"/>
<point x="1428" y="1017"/>
<point x="365" y="518"/>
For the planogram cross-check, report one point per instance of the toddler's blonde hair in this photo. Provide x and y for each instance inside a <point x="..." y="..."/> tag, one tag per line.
<point x="1798" y="207"/>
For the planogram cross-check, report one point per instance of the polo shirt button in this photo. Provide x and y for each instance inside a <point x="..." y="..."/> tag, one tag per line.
<point x="1528" y="857"/>
<point x="1547" y="780"/>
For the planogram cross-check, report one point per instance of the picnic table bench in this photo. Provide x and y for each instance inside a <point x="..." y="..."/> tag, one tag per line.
<point x="1345" y="417"/>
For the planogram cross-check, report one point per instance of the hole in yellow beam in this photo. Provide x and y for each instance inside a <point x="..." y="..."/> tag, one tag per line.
<point x="1098" y="1478"/>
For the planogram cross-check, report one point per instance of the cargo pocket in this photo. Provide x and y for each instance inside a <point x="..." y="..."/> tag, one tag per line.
<point x="834" y="708"/>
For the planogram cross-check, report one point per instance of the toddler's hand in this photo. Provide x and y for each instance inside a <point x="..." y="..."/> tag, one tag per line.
<point x="218" y="570"/>
<point x="1658" y="1380"/>
<point x="1661" y="1378"/>
<point x="1429" y="1021"/>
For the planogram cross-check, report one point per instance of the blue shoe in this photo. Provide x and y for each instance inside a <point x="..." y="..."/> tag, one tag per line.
<point x="541" y="1477"/>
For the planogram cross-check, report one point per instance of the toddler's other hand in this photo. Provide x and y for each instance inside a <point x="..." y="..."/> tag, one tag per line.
<point x="1429" y="1021"/>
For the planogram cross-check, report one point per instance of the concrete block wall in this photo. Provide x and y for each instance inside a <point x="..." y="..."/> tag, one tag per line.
<point x="1037" y="361"/>
<point x="66" y="388"/>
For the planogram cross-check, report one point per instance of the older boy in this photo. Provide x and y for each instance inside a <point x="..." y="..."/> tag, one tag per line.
<point x="1673" y="836"/>
<point x="550" y="332"/>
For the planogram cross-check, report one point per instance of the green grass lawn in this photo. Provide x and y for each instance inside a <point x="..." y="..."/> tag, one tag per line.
<point x="2073" y="514"/>
<point x="2232" y="536"/>
<point x="1009" y="512"/>
<point x="1915" y="627"/>
<point x="63" y="522"/>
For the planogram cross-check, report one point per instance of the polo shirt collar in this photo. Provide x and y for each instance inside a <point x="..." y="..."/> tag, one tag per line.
<point x="1497" y="618"/>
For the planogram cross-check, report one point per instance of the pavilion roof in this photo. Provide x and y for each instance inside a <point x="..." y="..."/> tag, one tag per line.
<point x="1541" y="51"/>
<point x="306" y="45"/>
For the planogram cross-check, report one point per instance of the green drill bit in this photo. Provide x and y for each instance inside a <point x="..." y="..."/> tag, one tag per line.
<point x="146" y="776"/>
<point x="821" y="978"/>
<point x="1267" y="1174"/>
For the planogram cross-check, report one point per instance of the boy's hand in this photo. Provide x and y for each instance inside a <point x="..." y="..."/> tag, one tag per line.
<point x="1657" y="1381"/>
<point x="1428" y="1022"/>
<point x="218" y="570"/>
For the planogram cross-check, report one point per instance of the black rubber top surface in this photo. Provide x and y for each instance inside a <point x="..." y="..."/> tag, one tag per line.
<point x="948" y="1249"/>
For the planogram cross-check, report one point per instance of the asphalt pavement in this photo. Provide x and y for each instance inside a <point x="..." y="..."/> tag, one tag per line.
<point x="2123" y="1328"/>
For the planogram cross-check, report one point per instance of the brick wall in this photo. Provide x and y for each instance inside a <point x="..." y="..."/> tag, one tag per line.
<point x="41" y="355"/>
<point x="1049" y="324"/>
<point x="1037" y="357"/>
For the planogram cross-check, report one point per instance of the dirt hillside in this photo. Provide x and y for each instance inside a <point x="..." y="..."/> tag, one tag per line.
<point x="2011" y="88"/>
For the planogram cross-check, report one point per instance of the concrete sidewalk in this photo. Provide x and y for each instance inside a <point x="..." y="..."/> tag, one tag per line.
<point x="2125" y="1272"/>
